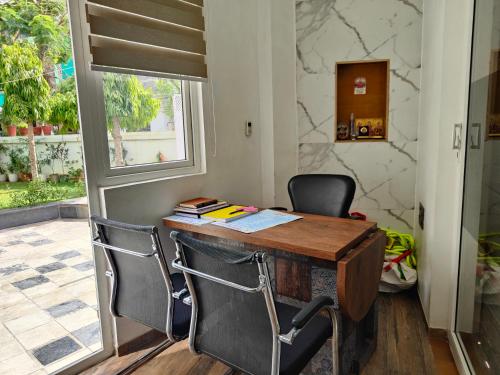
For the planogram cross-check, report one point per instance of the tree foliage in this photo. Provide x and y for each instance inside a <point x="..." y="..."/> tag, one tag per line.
<point x="167" y="88"/>
<point x="127" y="100"/>
<point x="26" y="90"/>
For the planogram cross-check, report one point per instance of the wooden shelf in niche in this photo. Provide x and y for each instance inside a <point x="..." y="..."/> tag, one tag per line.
<point x="374" y="104"/>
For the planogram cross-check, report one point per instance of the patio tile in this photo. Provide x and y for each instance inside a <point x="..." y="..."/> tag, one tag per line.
<point x="66" y="308"/>
<point x="13" y="243"/>
<point x="78" y="319"/>
<point x="41" y="290"/>
<point x="90" y="298"/>
<point x="11" y="298"/>
<point x="40" y="260"/>
<point x="89" y="335"/>
<point x="54" y="298"/>
<point x="41" y="335"/>
<point x="10" y="348"/>
<point x="64" y="276"/>
<point x="43" y="241"/>
<point x="6" y="271"/>
<point x="18" y="276"/>
<point x="50" y="267"/>
<point x="55" y="350"/>
<point x="89" y="265"/>
<point x="75" y="260"/>
<point x="30" y="282"/>
<point x="21" y="364"/>
<point x="67" y="255"/>
<point x="68" y="360"/>
<point x="95" y="347"/>
<point x="17" y="310"/>
<point x="29" y="321"/>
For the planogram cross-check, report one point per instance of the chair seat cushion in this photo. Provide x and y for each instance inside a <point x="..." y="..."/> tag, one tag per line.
<point x="182" y="312"/>
<point x="312" y="337"/>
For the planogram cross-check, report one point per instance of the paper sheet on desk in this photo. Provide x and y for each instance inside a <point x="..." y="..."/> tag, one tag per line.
<point x="189" y="220"/>
<point x="259" y="221"/>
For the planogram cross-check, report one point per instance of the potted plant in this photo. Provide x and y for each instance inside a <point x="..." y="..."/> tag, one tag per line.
<point x="47" y="129"/>
<point x="37" y="130"/>
<point x="12" y="175"/>
<point x="11" y="130"/>
<point x="23" y="129"/>
<point x="3" y="174"/>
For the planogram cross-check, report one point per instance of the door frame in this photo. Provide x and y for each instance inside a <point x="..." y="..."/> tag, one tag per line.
<point x="458" y="351"/>
<point x="84" y="109"/>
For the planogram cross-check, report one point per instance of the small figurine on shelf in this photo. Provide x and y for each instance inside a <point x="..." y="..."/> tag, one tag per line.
<point x="353" y="128"/>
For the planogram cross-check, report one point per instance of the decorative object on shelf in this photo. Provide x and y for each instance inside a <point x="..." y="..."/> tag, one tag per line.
<point x="342" y="131"/>
<point x="360" y="86"/>
<point x="353" y="99"/>
<point x="352" y="127"/>
<point x="370" y="128"/>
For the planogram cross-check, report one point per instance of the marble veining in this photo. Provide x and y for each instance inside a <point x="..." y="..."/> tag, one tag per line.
<point x="329" y="31"/>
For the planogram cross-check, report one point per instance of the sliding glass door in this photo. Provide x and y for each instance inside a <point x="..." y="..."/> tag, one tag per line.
<point x="478" y="305"/>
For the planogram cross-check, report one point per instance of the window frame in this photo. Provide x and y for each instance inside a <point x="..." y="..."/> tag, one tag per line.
<point x="189" y="135"/>
<point x="95" y="136"/>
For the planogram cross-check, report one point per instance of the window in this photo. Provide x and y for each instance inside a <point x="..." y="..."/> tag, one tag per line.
<point x="146" y="120"/>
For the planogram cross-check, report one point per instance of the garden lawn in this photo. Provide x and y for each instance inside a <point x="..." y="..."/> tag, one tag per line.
<point x="68" y="190"/>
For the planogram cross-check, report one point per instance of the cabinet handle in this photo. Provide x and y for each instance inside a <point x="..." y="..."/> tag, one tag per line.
<point x="475" y="142"/>
<point x="457" y="136"/>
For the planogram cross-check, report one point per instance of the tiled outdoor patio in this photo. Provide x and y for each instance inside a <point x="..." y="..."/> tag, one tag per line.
<point x="48" y="305"/>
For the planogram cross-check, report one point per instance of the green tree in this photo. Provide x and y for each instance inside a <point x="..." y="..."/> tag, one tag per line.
<point x="41" y="22"/>
<point x="167" y="88"/>
<point x="26" y="91"/>
<point x="64" y="107"/>
<point x="129" y="106"/>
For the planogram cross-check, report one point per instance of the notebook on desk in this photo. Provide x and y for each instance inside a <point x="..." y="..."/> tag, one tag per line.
<point x="227" y="214"/>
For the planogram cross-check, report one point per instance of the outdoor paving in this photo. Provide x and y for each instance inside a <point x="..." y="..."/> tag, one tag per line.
<point x="48" y="304"/>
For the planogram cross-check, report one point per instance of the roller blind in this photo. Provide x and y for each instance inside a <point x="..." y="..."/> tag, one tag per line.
<point x="150" y="37"/>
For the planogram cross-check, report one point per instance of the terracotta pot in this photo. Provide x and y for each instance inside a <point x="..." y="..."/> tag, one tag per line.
<point x="47" y="129"/>
<point x="11" y="130"/>
<point x="37" y="130"/>
<point x="23" y="131"/>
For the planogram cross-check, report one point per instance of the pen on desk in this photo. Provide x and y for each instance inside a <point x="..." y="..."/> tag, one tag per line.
<point x="236" y="211"/>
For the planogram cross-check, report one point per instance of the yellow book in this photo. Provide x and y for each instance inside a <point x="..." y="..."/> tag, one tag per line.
<point x="227" y="214"/>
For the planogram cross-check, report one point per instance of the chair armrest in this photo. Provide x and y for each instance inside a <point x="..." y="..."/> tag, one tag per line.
<point x="309" y="310"/>
<point x="278" y="208"/>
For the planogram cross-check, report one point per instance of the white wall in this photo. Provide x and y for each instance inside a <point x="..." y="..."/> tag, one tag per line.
<point x="242" y="71"/>
<point x="443" y="103"/>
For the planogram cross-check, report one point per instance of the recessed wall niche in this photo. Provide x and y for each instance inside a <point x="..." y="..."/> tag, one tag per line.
<point x="362" y="93"/>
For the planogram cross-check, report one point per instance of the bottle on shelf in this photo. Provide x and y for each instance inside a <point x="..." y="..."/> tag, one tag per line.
<point x="353" y="128"/>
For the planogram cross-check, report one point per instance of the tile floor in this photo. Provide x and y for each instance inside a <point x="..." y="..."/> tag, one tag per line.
<point x="48" y="304"/>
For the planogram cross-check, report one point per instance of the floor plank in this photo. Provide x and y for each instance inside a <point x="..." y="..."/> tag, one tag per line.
<point x="404" y="347"/>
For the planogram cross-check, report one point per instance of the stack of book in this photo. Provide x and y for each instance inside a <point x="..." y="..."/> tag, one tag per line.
<point x="196" y="207"/>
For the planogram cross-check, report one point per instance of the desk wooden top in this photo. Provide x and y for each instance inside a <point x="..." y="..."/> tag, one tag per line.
<point x="321" y="237"/>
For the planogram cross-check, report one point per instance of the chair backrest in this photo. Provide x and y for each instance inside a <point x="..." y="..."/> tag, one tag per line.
<point x="232" y="325"/>
<point x="322" y="194"/>
<point x="141" y="285"/>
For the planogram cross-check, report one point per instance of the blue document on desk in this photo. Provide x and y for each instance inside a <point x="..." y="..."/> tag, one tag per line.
<point x="259" y="221"/>
<point x="189" y="220"/>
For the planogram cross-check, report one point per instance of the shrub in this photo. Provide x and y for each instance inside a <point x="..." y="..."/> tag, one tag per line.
<point x="36" y="192"/>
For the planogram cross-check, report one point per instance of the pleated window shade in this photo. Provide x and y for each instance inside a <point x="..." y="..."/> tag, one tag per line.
<point x="149" y="37"/>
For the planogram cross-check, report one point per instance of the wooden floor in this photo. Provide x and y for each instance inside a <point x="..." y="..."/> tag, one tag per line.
<point x="404" y="347"/>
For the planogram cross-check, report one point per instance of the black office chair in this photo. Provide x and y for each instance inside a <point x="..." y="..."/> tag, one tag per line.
<point x="235" y="318"/>
<point x="322" y="194"/>
<point x="142" y="288"/>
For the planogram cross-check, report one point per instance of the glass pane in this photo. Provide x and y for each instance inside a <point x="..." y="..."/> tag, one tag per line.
<point x="145" y="119"/>
<point x="478" y="310"/>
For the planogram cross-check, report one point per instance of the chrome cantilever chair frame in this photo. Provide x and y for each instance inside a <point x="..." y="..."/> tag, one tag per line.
<point x="263" y="287"/>
<point x="157" y="253"/>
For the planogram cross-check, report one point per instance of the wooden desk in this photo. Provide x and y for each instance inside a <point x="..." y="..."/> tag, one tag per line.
<point x="321" y="237"/>
<point x="320" y="255"/>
